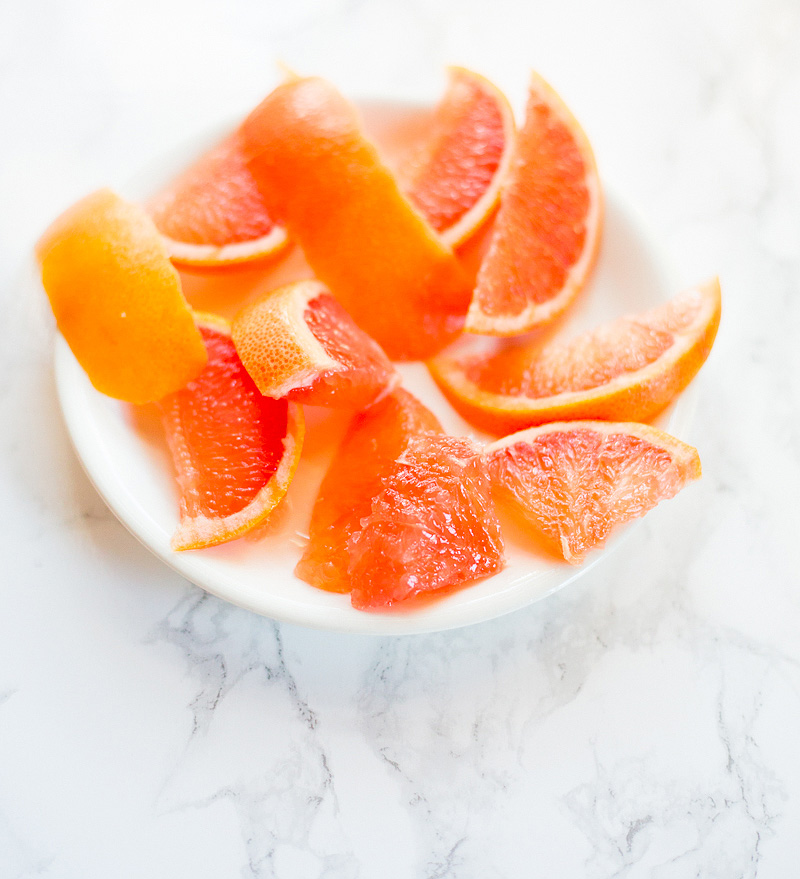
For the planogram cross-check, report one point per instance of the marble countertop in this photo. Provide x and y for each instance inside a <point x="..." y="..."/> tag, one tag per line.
<point x="642" y="723"/>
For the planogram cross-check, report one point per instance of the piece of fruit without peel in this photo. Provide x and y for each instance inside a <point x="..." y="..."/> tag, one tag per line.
<point x="626" y="370"/>
<point x="235" y="451"/>
<point x="374" y="441"/>
<point x="453" y="177"/>
<point x="298" y="341"/>
<point x="572" y="483"/>
<point x="118" y="301"/>
<point x="431" y="529"/>
<point x="213" y="214"/>
<point x="547" y="231"/>
<point x="361" y="236"/>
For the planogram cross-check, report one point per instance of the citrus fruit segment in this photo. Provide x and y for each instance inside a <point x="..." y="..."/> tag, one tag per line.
<point x="572" y="483"/>
<point x="213" y="214"/>
<point x="297" y="341"/>
<point x="235" y="451"/>
<point x="361" y="236"/>
<point x="454" y="177"/>
<point x="547" y="230"/>
<point x="374" y="441"/>
<point x="626" y="370"/>
<point x="117" y="299"/>
<point x="431" y="529"/>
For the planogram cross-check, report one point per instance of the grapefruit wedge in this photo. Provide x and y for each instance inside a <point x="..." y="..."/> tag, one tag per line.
<point x="375" y="440"/>
<point x="362" y="237"/>
<point x="453" y="177"/>
<point x="298" y="342"/>
<point x="431" y="529"/>
<point x="547" y="231"/>
<point x="213" y="215"/>
<point x="626" y="370"/>
<point x="572" y="483"/>
<point x="235" y="451"/>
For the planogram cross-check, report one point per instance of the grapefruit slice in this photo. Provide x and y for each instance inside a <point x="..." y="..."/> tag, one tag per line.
<point x="626" y="370"/>
<point x="431" y="529"/>
<point x="213" y="214"/>
<point x="235" y="451"/>
<point x="547" y="231"/>
<point x="324" y="180"/>
<point x="572" y="483"/>
<point x="374" y="441"/>
<point x="297" y="341"/>
<point x="453" y="178"/>
<point x="118" y="301"/>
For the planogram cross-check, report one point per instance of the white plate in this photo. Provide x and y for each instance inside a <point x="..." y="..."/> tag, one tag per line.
<point x="131" y="469"/>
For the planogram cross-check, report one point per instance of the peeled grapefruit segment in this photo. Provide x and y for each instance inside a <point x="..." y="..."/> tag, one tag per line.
<point x="374" y="441"/>
<point x="572" y="483"/>
<point x="431" y="529"/>
<point x="547" y="230"/>
<point x="324" y="180"/>
<point x="297" y="341"/>
<point x="454" y="176"/>
<point x="626" y="370"/>
<point x="213" y="214"/>
<point x="118" y="301"/>
<point x="235" y="451"/>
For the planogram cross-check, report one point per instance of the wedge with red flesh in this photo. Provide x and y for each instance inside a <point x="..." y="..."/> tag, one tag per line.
<point x="213" y="214"/>
<point x="235" y="451"/>
<point x="626" y="370"/>
<point x="454" y="176"/>
<point x="431" y="529"/>
<point x="547" y="231"/>
<point x="374" y="441"/>
<point x="298" y="342"/>
<point x="573" y="483"/>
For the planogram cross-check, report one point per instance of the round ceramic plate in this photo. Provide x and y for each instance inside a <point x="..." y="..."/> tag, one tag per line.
<point x="128" y="463"/>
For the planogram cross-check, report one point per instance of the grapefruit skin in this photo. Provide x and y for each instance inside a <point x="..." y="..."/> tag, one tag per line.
<point x="573" y="483"/>
<point x="431" y="529"/>
<point x="361" y="236"/>
<point x="118" y="301"/>
<point x="375" y="440"/>
<point x="626" y="370"/>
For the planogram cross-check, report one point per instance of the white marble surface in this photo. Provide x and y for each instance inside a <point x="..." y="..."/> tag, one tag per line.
<point x="644" y="723"/>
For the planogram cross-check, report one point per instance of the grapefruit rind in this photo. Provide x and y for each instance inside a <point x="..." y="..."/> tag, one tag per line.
<point x="280" y="314"/>
<point x="320" y="175"/>
<point x="204" y="255"/>
<point x="118" y="300"/>
<point x="633" y="396"/>
<point x="537" y="314"/>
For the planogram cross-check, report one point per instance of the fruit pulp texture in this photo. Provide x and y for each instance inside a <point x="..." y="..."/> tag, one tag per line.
<point x="326" y="182"/>
<point x="460" y="157"/>
<point x="431" y="529"/>
<point x="589" y="360"/>
<point x="374" y="441"/>
<point x="574" y="487"/>
<point x="367" y="370"/>
<point x="225" y="437"/>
